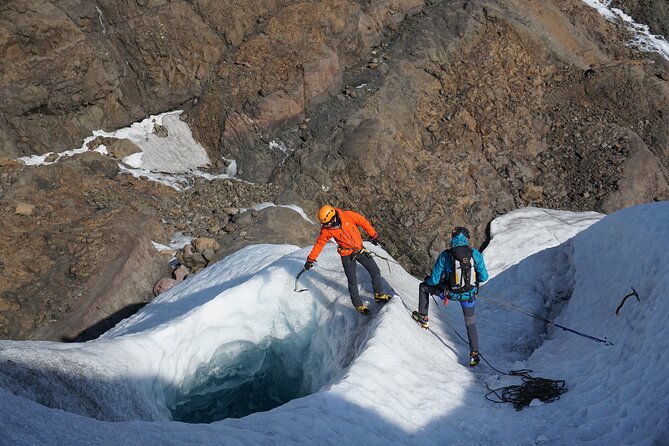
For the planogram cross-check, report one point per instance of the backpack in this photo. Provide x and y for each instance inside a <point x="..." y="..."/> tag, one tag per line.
<point x="463" y="275"/>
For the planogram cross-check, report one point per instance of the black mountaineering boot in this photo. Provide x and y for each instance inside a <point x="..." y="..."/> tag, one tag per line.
<point x="474" y="359"/>
<point x="382" y="297"/>
<point x="362" y="309"/>
<point x="421" y="319"/>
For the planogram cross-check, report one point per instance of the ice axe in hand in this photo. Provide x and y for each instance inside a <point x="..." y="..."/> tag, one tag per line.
<point x="307" y="266"/>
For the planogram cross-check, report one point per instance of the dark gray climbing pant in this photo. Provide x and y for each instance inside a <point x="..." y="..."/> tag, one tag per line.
<point x="424" y="291"/>
<point x="349" y="264"/>
<point x="470" y="323"/>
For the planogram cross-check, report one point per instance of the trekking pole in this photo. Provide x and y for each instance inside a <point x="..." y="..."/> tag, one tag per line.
<point x="304" y="270"/>
<point x="527" y="312"/>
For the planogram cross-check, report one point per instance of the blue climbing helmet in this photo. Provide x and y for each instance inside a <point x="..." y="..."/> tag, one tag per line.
<point x="459" y="230"/>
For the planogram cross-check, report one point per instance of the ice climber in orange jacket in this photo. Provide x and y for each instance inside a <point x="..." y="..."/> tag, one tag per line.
<point x="342" y="225"/>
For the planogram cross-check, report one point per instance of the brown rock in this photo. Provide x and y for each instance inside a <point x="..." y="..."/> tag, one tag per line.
<point x="642" y="181"/>
<point x="160" y="131"/>
<point x="180" y="273"/>
<point x="532" y="193"/>
<point x="24" y="209"/>
<point x="51" y="158"/>
<point x="209" y="254"/>
<point x="163" y="285"/>
<point x="118" y="284"/>
<point x="6" y="162"/>
<point x="274" y="224"/>
<point x="202" y="243"/>
<point x="322" y="77"/>
<point x="120" y="148"/>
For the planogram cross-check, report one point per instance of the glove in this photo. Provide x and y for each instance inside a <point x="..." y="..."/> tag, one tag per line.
<point x="375" y="240"/>
<point x="308" y="265"/>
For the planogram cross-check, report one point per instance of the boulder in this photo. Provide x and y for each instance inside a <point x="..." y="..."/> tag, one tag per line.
<point x="115" y="289"/>
<point x="120" y="148"/>
<point x="180" y="273"/>
<point x="24" y="209"/>
<point x="202" y="243"/>
<point x="163" y="285"/>
<point x="274" y="224"/>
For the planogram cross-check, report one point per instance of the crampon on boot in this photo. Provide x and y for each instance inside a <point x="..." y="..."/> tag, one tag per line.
<point x="422" y="320"/>
<point x="382" y="297"/>
<point x="362" y="309"/>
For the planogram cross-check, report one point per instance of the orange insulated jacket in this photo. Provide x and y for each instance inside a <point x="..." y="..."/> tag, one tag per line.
<point x="347" y="235"/>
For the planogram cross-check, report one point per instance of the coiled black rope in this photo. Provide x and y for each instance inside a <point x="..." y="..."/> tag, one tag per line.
<point x="545" y="390"/>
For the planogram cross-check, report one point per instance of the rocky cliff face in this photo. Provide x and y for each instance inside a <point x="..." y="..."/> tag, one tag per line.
<point x="75" y="66"/>
<point x="506" y="105"/>
<point x="654" y="13"/>
<point x="421" y="115"/>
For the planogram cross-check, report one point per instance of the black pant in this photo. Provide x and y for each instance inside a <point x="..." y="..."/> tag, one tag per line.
<point x="349" y="264"/>
<point x="424" y="291"/>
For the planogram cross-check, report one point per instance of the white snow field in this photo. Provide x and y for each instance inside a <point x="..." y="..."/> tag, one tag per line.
<point x="236" y="339"/>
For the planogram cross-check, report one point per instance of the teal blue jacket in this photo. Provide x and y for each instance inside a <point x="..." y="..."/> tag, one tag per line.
<point x="442" y="268"/>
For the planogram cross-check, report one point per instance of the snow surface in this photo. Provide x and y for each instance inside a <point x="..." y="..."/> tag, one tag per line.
<point x="299" y="210"/>
<point x="374" y="380"/>
<point x="642" y="39"/>
<point x="172" y="159"/>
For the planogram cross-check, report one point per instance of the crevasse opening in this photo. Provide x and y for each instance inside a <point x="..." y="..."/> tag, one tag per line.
<point x="243" y="377"/>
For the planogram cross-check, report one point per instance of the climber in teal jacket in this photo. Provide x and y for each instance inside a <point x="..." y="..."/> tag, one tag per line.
<point x="456" y="275"/>
<point x="443" y="267"/>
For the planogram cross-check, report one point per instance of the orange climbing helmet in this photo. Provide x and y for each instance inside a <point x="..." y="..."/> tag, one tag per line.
<point x="326" y="214"/>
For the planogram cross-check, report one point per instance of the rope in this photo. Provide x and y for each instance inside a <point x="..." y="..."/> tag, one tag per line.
<point x="373" y="254"/>
<point x="448" y="322"/>
<point x="527" y="312"/>
<point x="546" y="390"/>
<point x="406" y="307"/>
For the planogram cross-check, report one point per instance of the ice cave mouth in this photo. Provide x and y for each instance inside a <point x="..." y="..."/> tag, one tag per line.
<point x="242" y="378"/>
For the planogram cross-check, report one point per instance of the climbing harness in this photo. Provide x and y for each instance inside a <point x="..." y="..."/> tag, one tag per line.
<point x="633" y="293"/>
<point x="298" y="278"/>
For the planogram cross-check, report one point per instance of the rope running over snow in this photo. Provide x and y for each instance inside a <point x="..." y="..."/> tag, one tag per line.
<point x="545" y="390"/>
